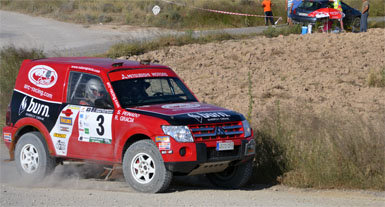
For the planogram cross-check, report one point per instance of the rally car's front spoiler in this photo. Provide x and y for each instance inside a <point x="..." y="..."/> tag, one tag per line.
<point x="212" y="160"/>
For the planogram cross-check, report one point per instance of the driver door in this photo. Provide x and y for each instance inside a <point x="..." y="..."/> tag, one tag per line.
<point x="92" y="135"/>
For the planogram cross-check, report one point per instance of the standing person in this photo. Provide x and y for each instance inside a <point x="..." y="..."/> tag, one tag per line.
<point x="266" y="4"/>
<point x="337" y="5"/>
<point x="289" y="5"/>
<point x="364" y="16"/>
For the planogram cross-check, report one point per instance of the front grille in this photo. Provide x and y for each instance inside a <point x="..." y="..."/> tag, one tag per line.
<point x="217" y="131"/>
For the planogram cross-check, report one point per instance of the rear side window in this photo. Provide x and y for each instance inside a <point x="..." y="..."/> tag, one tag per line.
<point x="88" y="90"/>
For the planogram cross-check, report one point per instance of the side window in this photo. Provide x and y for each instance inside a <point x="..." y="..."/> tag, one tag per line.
<point x="88" y="90"/>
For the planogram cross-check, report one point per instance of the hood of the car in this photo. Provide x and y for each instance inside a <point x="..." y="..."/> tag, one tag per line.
<point x="189" y="113"/>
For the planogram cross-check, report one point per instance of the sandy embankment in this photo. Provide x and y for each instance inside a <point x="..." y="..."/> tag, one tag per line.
<point x="323" y="71"/>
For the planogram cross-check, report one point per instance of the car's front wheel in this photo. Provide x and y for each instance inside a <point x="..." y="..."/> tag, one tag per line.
<point x="233" y="177"/>
<point x="33" y="161"/>
<point x="144" y="169"/>
<point x="355" y="25"/>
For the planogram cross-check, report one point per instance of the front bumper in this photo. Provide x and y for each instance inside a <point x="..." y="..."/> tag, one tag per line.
<point x="206" y="155"/>
<point x="303" y="19"/>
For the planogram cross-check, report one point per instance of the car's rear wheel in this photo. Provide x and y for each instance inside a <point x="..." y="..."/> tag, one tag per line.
<point x="144" y="169"/>
<point x="233" y="177"/>
<point x="33" y="161"/>
<point x="355" y="25"/>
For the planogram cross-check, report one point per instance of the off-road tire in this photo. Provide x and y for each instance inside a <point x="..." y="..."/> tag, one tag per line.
<point x="33" y="161"/>
<point x="233" y="177"/>
<point x="355" y="25"/>
<point x="160" y="178"/>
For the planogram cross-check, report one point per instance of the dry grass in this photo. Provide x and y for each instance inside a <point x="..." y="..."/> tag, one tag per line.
<point x="377" y="78"/>
<point x="171" y="16"/>
<point x="138" y="48"/>
<point x="329" y="150"/>
<point x="10" y="62"/>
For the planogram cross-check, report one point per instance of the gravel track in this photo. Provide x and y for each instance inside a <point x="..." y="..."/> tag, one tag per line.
<point x="65" y="39"/>
<point x="65" y="187"/>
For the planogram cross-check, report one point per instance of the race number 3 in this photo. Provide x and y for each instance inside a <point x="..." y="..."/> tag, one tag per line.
<point x="95" y="125"/>
<point x="100" y="130"/>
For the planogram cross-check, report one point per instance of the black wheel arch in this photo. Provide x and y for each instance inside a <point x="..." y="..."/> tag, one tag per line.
<point x="20" y="132"/>
<point x="131" y="140"/>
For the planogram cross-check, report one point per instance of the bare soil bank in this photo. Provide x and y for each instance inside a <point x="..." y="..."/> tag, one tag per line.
<point x="321" y="71"/>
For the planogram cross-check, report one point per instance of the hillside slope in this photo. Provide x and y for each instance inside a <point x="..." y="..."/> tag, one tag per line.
<point x="321" y="71"/>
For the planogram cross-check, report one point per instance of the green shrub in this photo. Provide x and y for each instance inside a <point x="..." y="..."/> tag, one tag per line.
<point x="286" y="30"/>
<point x="376" y="24"/>
<point x="10" y="62"/>
<point x="137" y="48"/>
<point x="124" y="49"/>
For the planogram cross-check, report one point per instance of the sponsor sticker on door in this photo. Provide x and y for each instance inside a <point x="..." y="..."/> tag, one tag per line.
<point x="59" y="135"/>
<point x="66" y="120"/>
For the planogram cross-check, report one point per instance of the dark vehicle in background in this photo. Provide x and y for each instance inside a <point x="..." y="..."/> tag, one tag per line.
<point x="300" y="14"/>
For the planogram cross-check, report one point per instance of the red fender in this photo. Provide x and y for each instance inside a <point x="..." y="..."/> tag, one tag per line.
<point x="20" y="124"/>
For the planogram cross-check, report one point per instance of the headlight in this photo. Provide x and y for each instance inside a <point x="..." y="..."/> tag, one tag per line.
<point x="179" y="133"/>
<point x="246" y="128"/>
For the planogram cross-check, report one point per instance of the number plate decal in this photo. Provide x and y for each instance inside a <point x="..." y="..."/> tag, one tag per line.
<point x="227" y="145"/>
<point x="302" y="14"/>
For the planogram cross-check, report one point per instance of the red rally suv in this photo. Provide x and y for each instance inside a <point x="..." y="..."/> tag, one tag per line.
<point x="137" y="114"/>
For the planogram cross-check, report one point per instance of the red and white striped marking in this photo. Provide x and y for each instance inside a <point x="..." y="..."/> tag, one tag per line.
<point x="220" y="12"/>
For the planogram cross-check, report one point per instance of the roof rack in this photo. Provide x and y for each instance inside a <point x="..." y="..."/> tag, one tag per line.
<point x="145" y="62"/>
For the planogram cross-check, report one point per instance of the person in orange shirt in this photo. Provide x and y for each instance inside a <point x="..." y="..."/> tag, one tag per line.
<point x="266" y="4"/>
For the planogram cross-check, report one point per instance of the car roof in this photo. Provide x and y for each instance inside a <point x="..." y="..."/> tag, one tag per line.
<point x="104" y="64"/>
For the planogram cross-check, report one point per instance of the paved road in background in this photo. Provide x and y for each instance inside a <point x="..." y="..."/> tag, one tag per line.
<point x="66" y="39"/>
<point x="60" y="38"/>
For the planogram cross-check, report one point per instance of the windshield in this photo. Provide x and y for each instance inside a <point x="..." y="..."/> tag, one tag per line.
<point x="146" y="91"/>
<point x="313" y="5"/>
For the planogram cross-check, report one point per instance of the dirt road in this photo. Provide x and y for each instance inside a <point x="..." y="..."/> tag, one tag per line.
<point x="67" y="187"/>
<point x="64" y="39"/>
